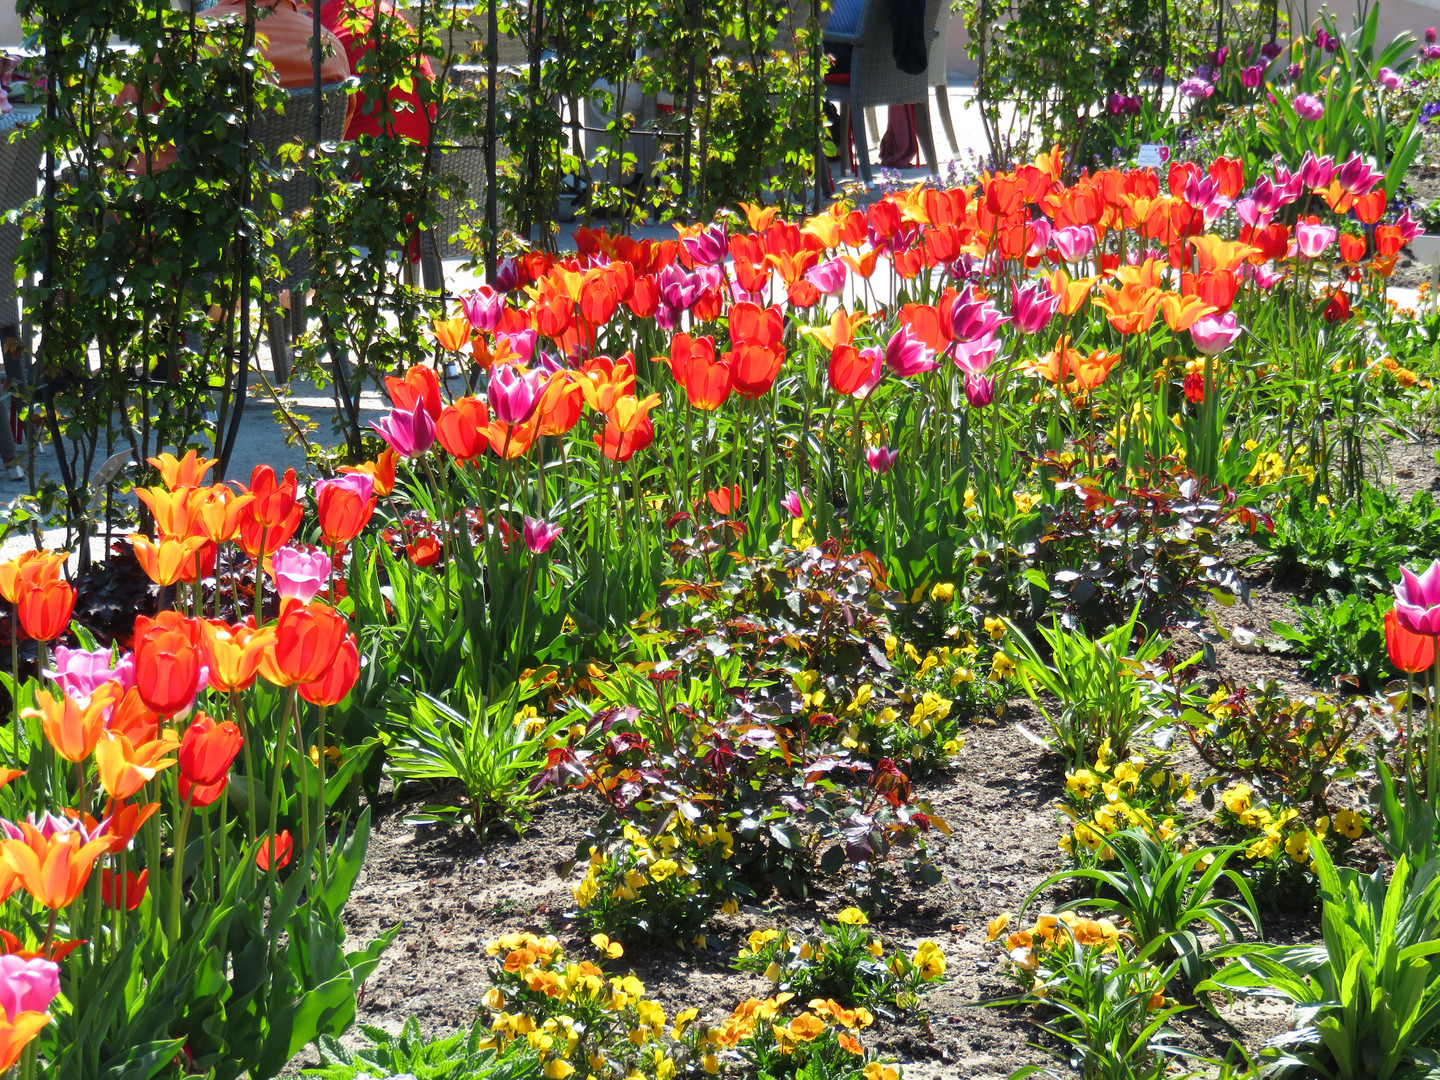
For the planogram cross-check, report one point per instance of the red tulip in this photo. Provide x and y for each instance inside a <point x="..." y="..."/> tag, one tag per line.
<point x="123" y="893"/>
<point x="332" y="687"/>
<point x="44" y="607"/>
<point x="281" y="846"/>
<point x="208" y="749"/>
<point x="1410" y="652"/>
<point x="167" y="662"/>
<point x="463" y="428"/>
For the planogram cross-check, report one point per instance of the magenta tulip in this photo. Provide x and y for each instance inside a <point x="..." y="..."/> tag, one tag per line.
<point x="513" y="395"/>
<point x="907" y="356"/>
<point x="539" y="535"/>
<point x="881" y="459"/>
<point x="1417" y="600"/>
<point x="409" y="432"/>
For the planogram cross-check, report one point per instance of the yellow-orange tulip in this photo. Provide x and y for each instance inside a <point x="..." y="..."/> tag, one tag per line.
<point x="1181" y="312"/>
<point x="453" y="334"/>
<point x="215" y="512"/>
<point x="73" y="728"/>
<point x="233" y="653"/>
<point x="173" y="510"/>
<point x="186" y="472"/>
<point x="125" y="767"/>
<point x="29" y="566"/>
<point x="169" y="561"/>
<point x="52" y="869"/>
<point x="16" y="1033"/>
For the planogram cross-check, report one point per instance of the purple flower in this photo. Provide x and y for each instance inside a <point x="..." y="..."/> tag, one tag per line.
<point x="1196" y="89"/>
<point x="539" y="535"/>
<point x="1388" y="79"/>
<point x="1409" y="228"/>
<point x="27" y="985"/>
<point x="880" y="459"/>
<point x="1357" y="177"/>
<point x="792" y="504"/>
<point x="299" y="574"/>
<point x="1215" y="333"/>
<point x="1219" y="56"/>
<point x="522" y="343"/>
<point x="1033" y="306"/>
<point x="1271" y="49"/>
<point x="409" y="432"/>
<point x="1430" y="35"/>
<point x="483" y="308"/>
<point x="513" y="396"/>
<point x="1417" y="600"/>
<point x="679" y="288"/>
<point x="1115" y="104"/>
<point x="1251" y="77"/>
<point x="1431" y="52"/>
<point x="1308" y="107"/>
<point x="908" y="356"/>
<point x="1252" y="214"/>
<point x="709" y="246"/>
<point x="1074" y="242"/>
<point x="80" y="672"/>
<point x="828" y="277"/>
<point x="1292" y="73"/>
<point x="979" y="390"/>
<point x="971" y="318"/>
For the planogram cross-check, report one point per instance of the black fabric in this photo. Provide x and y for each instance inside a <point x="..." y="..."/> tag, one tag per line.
<point x="907" y="34"/>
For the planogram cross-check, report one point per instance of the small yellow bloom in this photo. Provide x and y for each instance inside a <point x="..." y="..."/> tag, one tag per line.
<point x="996" y="926"/>
<point x="1348" y="824"/>
<point x="943" y="593"/>
<point x="1001" y="667"/>
<point x="852" y="916"/>
<point x="995" y="628"/>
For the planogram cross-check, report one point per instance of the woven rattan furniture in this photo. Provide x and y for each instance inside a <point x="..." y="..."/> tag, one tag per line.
<point x="457" y="163"/>
<point x="874" y="80"/>
<point x="938" y="76"/>
<point x="272" y="129"/>
<point x="20" y="156"/>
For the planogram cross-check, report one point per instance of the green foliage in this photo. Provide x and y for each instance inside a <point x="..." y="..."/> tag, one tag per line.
<point x="1157" y="891"/>
<point x="1341" y="636"/>
<point x="1368" y="999"/>
<point x="408" y="1054"/>
<point x="1107" y="689"/>
<point x="1359" y="544"/>
<point x="491" y="750"/>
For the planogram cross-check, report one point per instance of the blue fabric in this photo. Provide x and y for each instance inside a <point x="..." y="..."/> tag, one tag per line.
<point x="845" y="18"/>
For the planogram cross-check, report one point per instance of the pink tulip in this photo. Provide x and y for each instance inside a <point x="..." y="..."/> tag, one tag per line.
<point x="1388" y="79"/>
<point x="975" y="357"/>
<point x="709" y="246"/>
<point x="507" y="275"/>
<point x="1417" y="600"/>
<point x="1266" y="277"/>
<point x="1311" y="240"/>
<point x="409" y="432"/>
<point x="1409" y="228"/>
<point x="876" y="356"/>
<point x="1032" y="307"/>
<point x="792" y="504"/>
<point x="27" y="985"/>
<point x="1250" y="213"/>
<point x="513" y="396"/>
<point x="1074" y="242"/>
<point x="971" y="318"/>
<point x="828" y="277"/>
<point x="522" y="343"/>
<point x="1316" y="173"/>
<point x="979" y="390"/>
<point x="1215" y="333"/>
<point x="80" y="672"/>
<point x="299" y="575"/>
<point x="1041" y="231"/>
<point x="1356" y="176"/>
<point x="539" y="535"/>
<point x="908" y="356"/>
<point x="1251" y="77"/>
<point x="1308" y="107"/>
<point x="880" y="459"/>
<point x="483" y="308"/>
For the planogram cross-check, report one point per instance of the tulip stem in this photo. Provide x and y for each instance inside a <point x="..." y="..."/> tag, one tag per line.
<point x="177" y="874"/>
<point x="281" y="744"/>
<point x="260" y="574"/>
<point x="303" y="766"/>
<point x="252" y="782"/>
<point x="320" y="806"/>
<point x="16" y="732"/>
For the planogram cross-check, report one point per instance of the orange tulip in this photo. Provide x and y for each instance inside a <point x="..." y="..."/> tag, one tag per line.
<point x="186" y="472"/>
<point x="754" y="368"/>
<point x="172" y="510"/>
<point x="343" y="507"/>
<point x="339" y="678"/>
<point x="44" y="607"/>
<point x="463" y="428"/>
<point x="707" y="382"/>
<point x="215" y="512"/>
<point x="560" y="404"/>
<point x="724" y="500"/>
<point x="169" y="561"/>
<point x="424" y="552"/>
<point x="307" y="639"/>
<point x="621" y="444"/>
<point x="841" y="329"/>
<point x="420" y="384"/>
<point x="849" y="370"/>
<point x="29" y="565"/>
<point x="52" y="869"/>
<point x="274" y="501"/>
<point x="125" y="821"/>
<point x="1130" y="308"/>
<point x="1410" y="652"/>
<point x="167" y="664"/>
<point x="1056" y="365"/>
<point x="134" y="719"/>
<point x="1090" y="371"/>
<point x="1352" y="247"/>
<point x="125" y="767"/>
<point x="1072" y="293"/>
<point x="17" y="1032"/>
<point x="1181" y="312"/>
<point x="603" y="382"/>
<point x="1215" y="253"/>
<point x="208" y="749"/>
<point x="74" y="727"/>
<point x="381" y="470"/>
<point x="453" y="334"/>
<point x="123" y="893"/>
<point x="1369" y="208"/>
<point x="233" y="653"/>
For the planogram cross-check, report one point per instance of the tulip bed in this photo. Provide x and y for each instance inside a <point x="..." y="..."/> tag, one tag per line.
<point x="754" y="553"/>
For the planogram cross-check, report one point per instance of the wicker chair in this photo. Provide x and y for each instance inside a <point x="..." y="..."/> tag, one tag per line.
<point x="459" y="162"/>
<point x="19" y="174"/>
<point x="273" y="129"/>
<point x="875" y="80"/>
<point x="938" y="76"/>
